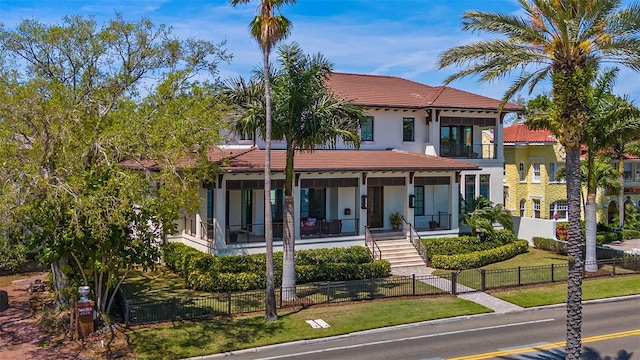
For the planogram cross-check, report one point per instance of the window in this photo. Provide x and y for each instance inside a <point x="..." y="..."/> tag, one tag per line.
<point x="536" y="172"/>
<point x="484" y="186"/>
<point x="536" y="208"/>
<point x="313" y="203"/>
<point x="469" y="188"/>
<point x="418" y="210"/>
<point x="366" y="129"/>
<point x="456" y="141"/>
<point x="627" y="172"/>
<point x="245" y="135"/>
<point x="407" y="129"/>
<point x="552" y="170"/>
<point x="506" y="197"/>
<point x="522" y="206"/>
<point x="558" y="210"/>
<point x="521" y="172"/>
<point x="277" y="205"/>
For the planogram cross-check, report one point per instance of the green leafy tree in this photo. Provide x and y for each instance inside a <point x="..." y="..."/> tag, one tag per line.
<point x="307" y="116"/>
<point x="564" y="41"/>
<point x="268" y="29"/>
<point x="482" y="214"/>
<point x="91" y="117"/>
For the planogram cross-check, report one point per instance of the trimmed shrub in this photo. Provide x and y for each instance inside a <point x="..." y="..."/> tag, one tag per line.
<point x="239" y="273"/>
<point x="549" y="244"/>
<point x="630" y="234"/>
<point x="607" y="237"/>
<point x="467" y="244"/>
<point x="479" y="258"/>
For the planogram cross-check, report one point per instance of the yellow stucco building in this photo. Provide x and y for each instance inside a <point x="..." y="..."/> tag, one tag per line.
<point x="532" y="158"/>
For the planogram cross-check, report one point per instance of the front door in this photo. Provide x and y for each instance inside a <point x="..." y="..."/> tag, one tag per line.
<point x="375" y="206"/>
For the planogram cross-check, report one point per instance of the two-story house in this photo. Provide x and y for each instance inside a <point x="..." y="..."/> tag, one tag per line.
<point x="421" y="153"/>
<point x="532" y="158"/>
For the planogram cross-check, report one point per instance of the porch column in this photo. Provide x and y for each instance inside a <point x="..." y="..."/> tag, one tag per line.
<point x="219" y="214"/>
<point x="454" y="190"/>
<point x="362" y="191"/>
<point x="296" y="212"/>
<point x="409" y="211"/>
<point x="498" y="137"/>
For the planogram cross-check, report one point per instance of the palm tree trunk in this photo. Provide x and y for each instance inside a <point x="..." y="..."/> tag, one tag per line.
<point x="574" y="286"/>
<point x="621" y="194"/>
<point x="271" y="313"/>
<point x="590" y="224"/>
<point x="288" y="259"/>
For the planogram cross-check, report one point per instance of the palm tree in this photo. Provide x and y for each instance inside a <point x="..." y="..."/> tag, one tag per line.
<point x="268" y="29"/>
<point x="306" y="115"/>
<point x="564" y="41"/>
<point x="482" y="214"/>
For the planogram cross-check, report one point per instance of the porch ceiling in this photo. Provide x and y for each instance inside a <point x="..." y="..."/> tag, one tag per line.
<point x="347" y="160"/>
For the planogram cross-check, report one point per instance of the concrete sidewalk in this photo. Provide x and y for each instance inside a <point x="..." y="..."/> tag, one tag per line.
<point x="497" y="305"/>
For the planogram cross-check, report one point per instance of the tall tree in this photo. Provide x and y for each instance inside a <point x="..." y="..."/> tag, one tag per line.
<point x="565" y="41"/>
<point x="75" y="101"/>
<point x="307" y="116"/>
<point x="268" y="28"/>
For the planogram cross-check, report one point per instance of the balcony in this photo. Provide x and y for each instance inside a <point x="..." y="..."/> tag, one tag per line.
<point x="468" y="151"/>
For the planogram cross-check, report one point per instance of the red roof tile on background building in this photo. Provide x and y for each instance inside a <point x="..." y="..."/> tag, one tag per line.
<point x="391" y="91"/>
<point x="520" y="133"/>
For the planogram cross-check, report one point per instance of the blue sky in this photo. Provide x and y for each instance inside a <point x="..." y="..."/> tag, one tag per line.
<point x="392" y="37"/>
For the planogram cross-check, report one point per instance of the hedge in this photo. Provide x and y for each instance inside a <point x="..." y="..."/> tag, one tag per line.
<point x="628" y="234"/>
<point x="467" y="244"/>
<point x="549" y="244"/>
<point x="239" y="273"/>
<point x="479" y="258"/>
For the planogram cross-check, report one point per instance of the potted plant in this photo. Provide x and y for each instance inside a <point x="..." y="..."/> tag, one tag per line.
<point x="395" y="219"/>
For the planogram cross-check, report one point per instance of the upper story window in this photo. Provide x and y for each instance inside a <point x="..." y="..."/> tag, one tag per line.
<point x="552" y="170"/>
<point x="245" y="135"/>
<point x="627" y="171"/>
<point x="521" y="172"/>
<point x="536" y="172"/>
<point x="366" y="129"/>
<point x="408" y="129"/>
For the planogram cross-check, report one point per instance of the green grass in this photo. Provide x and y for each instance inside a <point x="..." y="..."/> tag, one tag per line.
<point x="159" y="284"/>
<point x="556" y="293"/>
<point x="208" y="337"/>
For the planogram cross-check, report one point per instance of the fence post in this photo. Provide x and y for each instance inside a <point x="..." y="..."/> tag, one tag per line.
<point x="519" y="277"/>
<point x="280" y="297"/>
<point x="173" y="308"/>
<point x="614" y="265"/>
<point x="552" y="273"/>
<point x="371" y="288"/>
<point x="328" y="291"/>
<point x="454" y="277"/>
<point x="229" y="302"/>
<point x="483" y="279"/>
<point x="413" y="285"/>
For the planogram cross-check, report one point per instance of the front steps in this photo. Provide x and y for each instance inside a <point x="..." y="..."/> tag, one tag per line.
<point x="398" y="251"/>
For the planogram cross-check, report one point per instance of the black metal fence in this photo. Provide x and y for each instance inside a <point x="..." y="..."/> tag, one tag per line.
<point x="199" y="307"/>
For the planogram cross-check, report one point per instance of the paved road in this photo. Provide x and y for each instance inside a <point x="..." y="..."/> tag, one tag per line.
<point x="610" y="329"/>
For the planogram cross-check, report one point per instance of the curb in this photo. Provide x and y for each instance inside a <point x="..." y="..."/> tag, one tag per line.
<point x="397" y="327"/>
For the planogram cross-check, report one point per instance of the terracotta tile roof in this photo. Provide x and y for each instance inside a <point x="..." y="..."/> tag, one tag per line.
<point x="347" y="160"/>
<point x="391" y="91"/>
<point x="520" y="133"/>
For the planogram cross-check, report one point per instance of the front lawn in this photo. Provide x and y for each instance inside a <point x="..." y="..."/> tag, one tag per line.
<point x="190" y="339"/>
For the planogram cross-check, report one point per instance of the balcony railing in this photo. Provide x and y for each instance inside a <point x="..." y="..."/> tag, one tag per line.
<point x="439" y="221"/>
<point x="251" y="233"/>
<point x="470" y="151"/>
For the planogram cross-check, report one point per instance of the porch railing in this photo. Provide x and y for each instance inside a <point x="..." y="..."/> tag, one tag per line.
<point x="439" y="221"/>
<point x="416" y="240"/>
<point x="207" y="231"/>
<point x="471" y="151"/>
<point x="370" y="243"/>
<point x="321" y="228"/>
<point x="190" y="226"/>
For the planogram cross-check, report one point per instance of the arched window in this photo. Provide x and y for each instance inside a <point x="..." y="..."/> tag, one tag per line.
<point x="522" y="206"/>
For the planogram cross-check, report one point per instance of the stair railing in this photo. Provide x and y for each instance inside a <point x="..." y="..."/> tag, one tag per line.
<point x="416" y="240"/>
<point x="371" y="245"/>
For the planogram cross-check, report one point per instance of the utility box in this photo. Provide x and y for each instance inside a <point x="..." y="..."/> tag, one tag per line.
<point x="84" y="319"/>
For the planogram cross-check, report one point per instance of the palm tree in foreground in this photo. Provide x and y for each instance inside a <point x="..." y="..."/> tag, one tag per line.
<point x="306" y="115"/>
<point x="482" y="214"/>
<point x="564" y="41"/>
<point x="268" y="29"/>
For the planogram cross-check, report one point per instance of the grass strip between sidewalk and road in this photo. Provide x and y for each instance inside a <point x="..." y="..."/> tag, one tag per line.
<point x="188" y="339"/>
<point x="556" y="293"/>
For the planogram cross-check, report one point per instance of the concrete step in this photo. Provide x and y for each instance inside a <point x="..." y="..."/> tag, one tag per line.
<point x="399" y="253"/>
